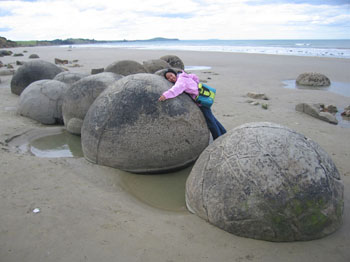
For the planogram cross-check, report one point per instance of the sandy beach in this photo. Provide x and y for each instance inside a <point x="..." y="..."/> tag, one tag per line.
<point x="87" y="215"/>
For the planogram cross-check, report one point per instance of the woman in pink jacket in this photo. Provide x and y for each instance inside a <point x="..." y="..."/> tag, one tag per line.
<point x="188" y="83"/>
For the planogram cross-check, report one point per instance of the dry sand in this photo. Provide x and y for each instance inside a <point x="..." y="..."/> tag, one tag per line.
<point x="85" y="215"/>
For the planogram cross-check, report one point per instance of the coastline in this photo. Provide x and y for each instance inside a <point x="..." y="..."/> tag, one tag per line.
<point x="87" y="215"/>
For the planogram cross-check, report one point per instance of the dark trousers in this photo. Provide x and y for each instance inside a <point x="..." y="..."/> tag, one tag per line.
<point x="216" y="129"/>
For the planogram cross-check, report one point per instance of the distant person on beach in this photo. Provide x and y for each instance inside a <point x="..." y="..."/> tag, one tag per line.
<point x="188" y="83"/>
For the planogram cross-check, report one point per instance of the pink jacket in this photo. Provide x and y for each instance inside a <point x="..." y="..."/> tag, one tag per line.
<point x="185" y="83"/>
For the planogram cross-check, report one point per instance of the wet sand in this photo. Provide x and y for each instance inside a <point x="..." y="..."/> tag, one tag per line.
<point x="87" y="214"/>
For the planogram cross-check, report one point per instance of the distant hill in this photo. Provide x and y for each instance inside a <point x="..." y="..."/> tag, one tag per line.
<point x="6" y="43"/>
<point x="80" y="41"/>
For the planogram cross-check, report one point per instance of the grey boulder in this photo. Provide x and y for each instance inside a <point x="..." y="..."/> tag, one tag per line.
<point x="42" y="101"/>
<point x="173" y="61"/>
<point x="32" y="71"/>
<point x="125" y="68"/>
<point x="266" y="181"/>
<point x="33" y="56"/>
<point x="313" y="79"/>
<point x="129" y="129"/>
<point x="155" y="65"/>
<point x="69" y="78"/>
<point x="81" y="95"/>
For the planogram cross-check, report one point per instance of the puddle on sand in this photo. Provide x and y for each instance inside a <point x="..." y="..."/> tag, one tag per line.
<point x="162" y="191"/>
<point x="58" y="145"/>
<point x="340" y="88"/>
<point x="195" y="68"/>
<point x="51" y="142"/>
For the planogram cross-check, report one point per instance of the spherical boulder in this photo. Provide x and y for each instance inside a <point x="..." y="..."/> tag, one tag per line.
<point x="31" y="72"/>
<point x="154" y="65"/>
<point x="125" y="68"/>
<point x="81" y="95"/>
<point x="266" y="181"/>
<point x="173" y="61"/>
<point x="313" y="79"/>
<point x="42" y="101"/>
<point x="69" y="78"/>
<point x="33" y="56"/>
<point x="129" y="129"/>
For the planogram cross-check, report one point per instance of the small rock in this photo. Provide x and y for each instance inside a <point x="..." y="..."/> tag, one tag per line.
<point x="60" y="61"/>
<point x="19" y="62"/>
<point x="18" y="54"/>
<point x="346" y="113"/>
<point x="265" y="106"/>
<point x="9" y="66"/>
<point x="331" y="109"/>
<point x="316" y="111"/>
<point x="5" y="53"/>
<point x="254" y="103"/>
<point x="257" y="96"/>
<point x="95" y="71"/>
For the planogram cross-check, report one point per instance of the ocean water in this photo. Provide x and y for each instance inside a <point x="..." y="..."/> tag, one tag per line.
<point x="318" y="48"/>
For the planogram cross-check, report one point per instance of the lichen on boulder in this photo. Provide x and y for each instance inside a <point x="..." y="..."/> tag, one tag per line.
<point x="129" y="129"/>
<point x="266" y="181"/>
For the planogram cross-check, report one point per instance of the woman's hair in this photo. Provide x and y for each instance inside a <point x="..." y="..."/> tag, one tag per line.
<point x="170" y="71"/>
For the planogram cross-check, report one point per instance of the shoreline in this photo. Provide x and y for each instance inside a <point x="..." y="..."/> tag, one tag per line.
<point x="86" y="215"/>
<point x="332" y="48"/>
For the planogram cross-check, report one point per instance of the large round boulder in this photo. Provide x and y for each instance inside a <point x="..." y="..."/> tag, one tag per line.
<point x="129" y="129"/>
<point x="42" y="101"/>
<point x="125" y="68"/>
<point x="81" y="95"/>
<point x="173" y="61"/>
<point x="69" y="78"/>
<point x="266" y="181"/>
<point x="155" y="65"/>
<point x="313" y="79"/>
<point x="31" y="72"/>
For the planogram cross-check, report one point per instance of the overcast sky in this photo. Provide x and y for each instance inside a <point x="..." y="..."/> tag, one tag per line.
<point x="183" y="19"/>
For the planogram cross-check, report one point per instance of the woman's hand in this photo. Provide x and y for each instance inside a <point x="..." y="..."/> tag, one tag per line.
<point x="161" y="98"/>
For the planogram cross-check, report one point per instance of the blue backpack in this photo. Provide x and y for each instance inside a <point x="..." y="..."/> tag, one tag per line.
<point x="206" y="95"/>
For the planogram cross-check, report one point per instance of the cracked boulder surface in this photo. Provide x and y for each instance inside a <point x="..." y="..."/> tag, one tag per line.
<point x="265" y="181"/>
<point x="69" y="78"/>
<point x="42" y="101"/>
<point x="32" y="71"/>
<point x="129" y="129"/>
<point x="81" y="95"/>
